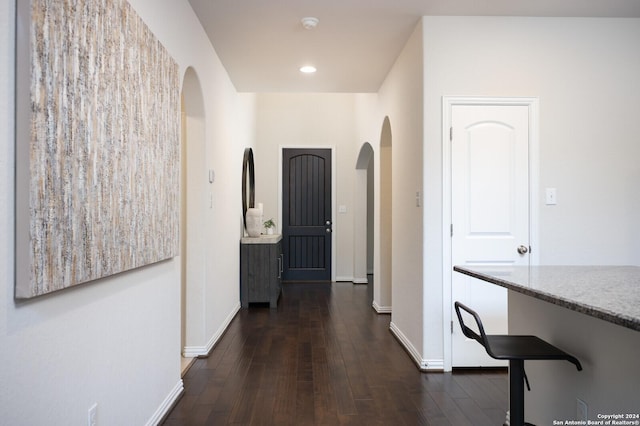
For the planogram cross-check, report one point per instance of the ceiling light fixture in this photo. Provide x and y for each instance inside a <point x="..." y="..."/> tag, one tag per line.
<point x="308" y="69"/>
<point x="309" y="22"/>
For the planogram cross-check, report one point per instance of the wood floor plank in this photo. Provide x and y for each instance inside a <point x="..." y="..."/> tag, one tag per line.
<point x="244" y="401"/>
<point x="451" y="410"/>
<point x="429" y="408"/>
<point x="483" y="395"/>
<point x="284" y="409"/>
<point x="472" y="410"/>
<point x="324" y="357"/>
<point x="305" y="408"/>
<point x="325" y="399"/>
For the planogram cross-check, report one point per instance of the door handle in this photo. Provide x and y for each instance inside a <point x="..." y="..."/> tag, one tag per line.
<point x="329" y="230"/>
<point x="328" y="223"/>
<point x="523" y="249"/>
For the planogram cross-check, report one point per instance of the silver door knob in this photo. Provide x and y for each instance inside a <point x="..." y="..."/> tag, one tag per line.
<point x="523" y="249"/>
<point x="328" y="229"/>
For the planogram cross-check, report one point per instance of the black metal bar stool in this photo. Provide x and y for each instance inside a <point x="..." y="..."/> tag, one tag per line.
<point x="515" y="349"/>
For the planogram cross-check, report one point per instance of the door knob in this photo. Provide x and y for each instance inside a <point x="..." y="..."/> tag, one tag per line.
<point x="523" y="249"/>
<point x="328" y="223"/>
<point x="328" y="229"/>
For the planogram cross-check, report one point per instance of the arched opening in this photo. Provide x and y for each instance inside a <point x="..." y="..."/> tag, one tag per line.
<point x="382" y="292"/>
<point x="363" y="226"/>
<point x="191" y="184"/>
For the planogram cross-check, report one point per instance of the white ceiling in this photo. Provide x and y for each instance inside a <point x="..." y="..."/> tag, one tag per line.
<point x="262" y="43"/>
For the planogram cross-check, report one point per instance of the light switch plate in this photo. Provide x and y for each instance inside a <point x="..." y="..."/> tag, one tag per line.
<point x="550" y="197"/>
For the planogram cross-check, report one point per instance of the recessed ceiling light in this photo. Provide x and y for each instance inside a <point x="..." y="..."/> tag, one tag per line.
<point x="308" y="69"/>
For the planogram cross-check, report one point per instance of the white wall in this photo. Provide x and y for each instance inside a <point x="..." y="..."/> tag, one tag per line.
<point x="371" y="197"/>
<point x="401" y="99"/>
<point x="370" y="116"/>
<point x="117" y="341"/>
<point x="317" y="120"/>
<point x="585" y="73"/>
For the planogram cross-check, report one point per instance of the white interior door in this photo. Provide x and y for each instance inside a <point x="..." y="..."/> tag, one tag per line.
<point x="490" y="213"/>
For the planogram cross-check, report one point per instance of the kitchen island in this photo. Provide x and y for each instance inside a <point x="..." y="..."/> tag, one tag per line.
<point x="591" y="312"/>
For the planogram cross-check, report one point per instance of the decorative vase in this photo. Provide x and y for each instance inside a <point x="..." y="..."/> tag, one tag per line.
<point x="269" y="231"/>
<point x="254" y="222"/>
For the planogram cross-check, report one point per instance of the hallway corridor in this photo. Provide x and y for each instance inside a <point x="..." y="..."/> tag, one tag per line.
<point x="324" y="357"/>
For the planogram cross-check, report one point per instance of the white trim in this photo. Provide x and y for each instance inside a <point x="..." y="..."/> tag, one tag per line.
<point x="334" y="198"/>
<point x="433" y="365"/>
<point x="351" y="280"/>
<point x="534" y="122"/>
<point x="194" y="351"/>
<point x="167" y="404"/>
<point x="381" y="309"/>
<point x="423" y="364"/>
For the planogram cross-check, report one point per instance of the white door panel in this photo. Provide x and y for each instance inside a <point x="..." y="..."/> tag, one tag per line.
<point x="490" y="212"/>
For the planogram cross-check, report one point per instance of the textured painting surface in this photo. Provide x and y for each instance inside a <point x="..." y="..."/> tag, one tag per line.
<point x="104" y="154"/>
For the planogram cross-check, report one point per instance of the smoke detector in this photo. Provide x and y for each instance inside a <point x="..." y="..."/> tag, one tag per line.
<point x="309" y="22"/>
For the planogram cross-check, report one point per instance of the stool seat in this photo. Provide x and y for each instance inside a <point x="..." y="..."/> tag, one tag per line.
<point x="515" y="349"/>
<point x="525" y="348"/>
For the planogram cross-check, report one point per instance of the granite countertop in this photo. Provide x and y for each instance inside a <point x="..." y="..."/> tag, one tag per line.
<point x="611" y="293"/>
<point x="262" y="239"/>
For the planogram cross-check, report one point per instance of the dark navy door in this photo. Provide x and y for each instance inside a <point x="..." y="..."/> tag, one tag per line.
<point x="306" y="214"/>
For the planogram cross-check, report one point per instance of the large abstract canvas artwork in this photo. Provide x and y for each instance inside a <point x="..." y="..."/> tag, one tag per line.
<point x="97" y="145"/>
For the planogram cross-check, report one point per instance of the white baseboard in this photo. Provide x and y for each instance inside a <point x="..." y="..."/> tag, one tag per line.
<point x="423" y="364"/>
<point x="195" y="351"/>
<point x="352" y="280"/>
<point x="381" y="309"/>
<point x="433" y="365"/>
<point x="167" y="404"/>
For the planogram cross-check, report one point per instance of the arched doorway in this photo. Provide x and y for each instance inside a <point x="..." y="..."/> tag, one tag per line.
<point x="382" y="292"/>
<point x="191" y="259"/>
<point x="364" y="220"/>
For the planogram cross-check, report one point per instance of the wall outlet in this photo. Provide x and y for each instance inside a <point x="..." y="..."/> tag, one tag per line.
<point x="93" y="415"/>
<point x="581" y="410"/>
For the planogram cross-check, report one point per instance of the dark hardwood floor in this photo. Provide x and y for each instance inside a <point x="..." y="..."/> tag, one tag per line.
<point x="324" y="357"/>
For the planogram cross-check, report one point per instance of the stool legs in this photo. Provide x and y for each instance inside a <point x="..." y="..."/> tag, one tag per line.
<point x="516" y="392"/>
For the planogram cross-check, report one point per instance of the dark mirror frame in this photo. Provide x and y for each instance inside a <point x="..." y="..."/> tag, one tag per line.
<point x="247" y="166"/>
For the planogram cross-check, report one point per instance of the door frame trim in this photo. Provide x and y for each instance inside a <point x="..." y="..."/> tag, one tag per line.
<point x="534" y="122"/>
<point x="334" y="198"/>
